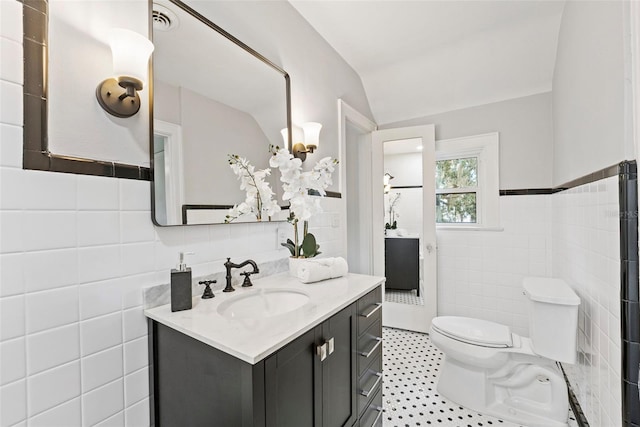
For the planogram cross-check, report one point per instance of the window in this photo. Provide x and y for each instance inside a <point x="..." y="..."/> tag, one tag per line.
<point x="467" y="181"/>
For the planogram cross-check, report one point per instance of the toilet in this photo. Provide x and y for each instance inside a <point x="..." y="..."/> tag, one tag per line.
<point x="491" y="370"/>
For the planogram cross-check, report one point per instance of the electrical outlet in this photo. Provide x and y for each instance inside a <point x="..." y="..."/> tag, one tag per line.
<point x="335" y="220"/>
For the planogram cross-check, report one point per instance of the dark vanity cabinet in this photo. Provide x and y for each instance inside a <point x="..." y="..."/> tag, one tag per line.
<point x="369" y="359"/>
<point x="328" y="377"/>
<point x="402" y="263"/>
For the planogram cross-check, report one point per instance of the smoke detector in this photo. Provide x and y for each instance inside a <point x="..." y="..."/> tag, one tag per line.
<point x="163" y="18"/>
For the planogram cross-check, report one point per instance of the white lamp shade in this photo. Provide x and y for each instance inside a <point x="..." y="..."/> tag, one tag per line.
<point x="311" y="133"/>
<point x="285" y="136"/>
<point x="298" y="135"/>
<point x="130" y="52"/>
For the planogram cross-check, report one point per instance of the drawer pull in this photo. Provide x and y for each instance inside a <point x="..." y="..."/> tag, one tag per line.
<point x="373" y="349"/>
<point x="321" y="351"/>
<point x="368" y="392"/>
<point x="331" y="346"/>
<point x="375" y="422"/>
<point x="372" y="311"/>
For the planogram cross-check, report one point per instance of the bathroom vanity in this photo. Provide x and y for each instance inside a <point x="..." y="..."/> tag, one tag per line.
<point x="402" y="263"/>
<point x="281" y="353"/>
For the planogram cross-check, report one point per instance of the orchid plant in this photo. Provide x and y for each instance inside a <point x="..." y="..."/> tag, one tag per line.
<point x="296" y="185"/>
<point x="259" y="200"/>
<point x="393" y="215"/>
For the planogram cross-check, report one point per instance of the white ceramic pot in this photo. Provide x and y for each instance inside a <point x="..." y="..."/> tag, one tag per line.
<point x="294" y="265"/>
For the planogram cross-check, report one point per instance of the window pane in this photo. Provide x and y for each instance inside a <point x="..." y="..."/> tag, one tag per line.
<point x="456" y="173"/>
<point x="456" y="208"/>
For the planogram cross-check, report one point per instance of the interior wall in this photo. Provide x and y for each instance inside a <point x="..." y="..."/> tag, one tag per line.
<point x="210" y="132"/>
<point x="526" y="136"/>
<point x="480" y="272"/>
<point x="407" y="171"/>
<point x="586" y="254"/>
<point x="79" y="59"/>
<point x="589" y="94"/>
<point x="75" y="251"/>
<point x="591" y="128"/>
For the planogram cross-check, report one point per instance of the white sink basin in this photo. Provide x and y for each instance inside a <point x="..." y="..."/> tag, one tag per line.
<point x="262" y="303"/>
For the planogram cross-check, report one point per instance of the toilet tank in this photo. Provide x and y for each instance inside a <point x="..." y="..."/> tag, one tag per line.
<point x="553" y="317"/>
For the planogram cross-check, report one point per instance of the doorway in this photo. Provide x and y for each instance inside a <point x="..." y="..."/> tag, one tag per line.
<point x="404" y="236"/>
<point x="355" y="185"/>
<point x="362" y="183"/>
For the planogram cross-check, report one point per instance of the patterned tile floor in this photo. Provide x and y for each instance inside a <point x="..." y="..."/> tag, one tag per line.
<point x="403" y="297"/>
<point x="411" y="369"/>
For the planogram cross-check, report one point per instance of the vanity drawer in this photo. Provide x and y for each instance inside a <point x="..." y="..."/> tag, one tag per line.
<point x="369" y="384"/>
<point x="369" y="309"/>
<point x="372" y="416"/>
<point x="369" y="347"/>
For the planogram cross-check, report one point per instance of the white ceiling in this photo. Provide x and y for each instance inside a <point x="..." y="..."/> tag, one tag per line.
<point x="418" y="58"/>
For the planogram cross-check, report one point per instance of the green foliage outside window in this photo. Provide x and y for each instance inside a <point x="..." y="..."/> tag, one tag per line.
<point x="456" y="206"/>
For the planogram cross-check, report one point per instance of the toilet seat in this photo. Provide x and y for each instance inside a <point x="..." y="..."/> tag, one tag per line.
<point x="474" y="331"/>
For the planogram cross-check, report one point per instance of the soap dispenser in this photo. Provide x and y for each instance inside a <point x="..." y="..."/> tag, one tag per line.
<point x="181" y="285"/>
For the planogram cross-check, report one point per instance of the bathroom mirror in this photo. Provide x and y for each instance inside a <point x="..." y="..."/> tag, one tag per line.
<point x="212" y="96"/>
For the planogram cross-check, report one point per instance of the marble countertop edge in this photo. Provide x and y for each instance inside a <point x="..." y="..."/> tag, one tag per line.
<point x="252" y="340"/>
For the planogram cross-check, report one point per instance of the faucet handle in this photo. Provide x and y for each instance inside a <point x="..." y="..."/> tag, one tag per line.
<point x="247" y="281"/>
<point x="207" y="290"/>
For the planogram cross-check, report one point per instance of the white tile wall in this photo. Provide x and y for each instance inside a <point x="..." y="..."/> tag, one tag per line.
<point x="480" y="272"/>
<point x="586" y="254"/>
<point x="75" y="253"/>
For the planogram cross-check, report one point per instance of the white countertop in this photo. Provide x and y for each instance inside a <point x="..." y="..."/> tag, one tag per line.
<point x="253" y="339"/>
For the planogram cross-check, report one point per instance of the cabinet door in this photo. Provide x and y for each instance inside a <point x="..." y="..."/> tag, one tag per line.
<point x="293" y="395"/>
<point x="339" y="370"/>
<point x="402" y="263"/>
<point x="304" y="391"/>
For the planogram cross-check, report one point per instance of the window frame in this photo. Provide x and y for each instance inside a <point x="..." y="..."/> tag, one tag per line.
<point x="485" y="148"/>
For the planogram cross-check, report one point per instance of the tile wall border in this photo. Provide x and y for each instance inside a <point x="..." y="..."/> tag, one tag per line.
<point x="629" y="292"/>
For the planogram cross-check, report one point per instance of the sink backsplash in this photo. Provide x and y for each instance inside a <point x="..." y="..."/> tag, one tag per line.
<point x="155" y="296"/>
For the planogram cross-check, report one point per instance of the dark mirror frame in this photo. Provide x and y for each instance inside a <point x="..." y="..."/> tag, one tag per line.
<point x="36" y="153"/>
<point x="241" y="45"/>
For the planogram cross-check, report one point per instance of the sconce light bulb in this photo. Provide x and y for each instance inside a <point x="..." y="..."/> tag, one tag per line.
<point x="311" y="135"/>
<point x="130" y="52"/>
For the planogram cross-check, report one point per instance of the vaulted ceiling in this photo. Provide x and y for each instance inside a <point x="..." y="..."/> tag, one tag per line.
<point x="418" y="58"/>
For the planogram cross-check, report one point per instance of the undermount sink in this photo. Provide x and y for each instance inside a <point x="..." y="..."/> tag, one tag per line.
<point x="263" y="303"/>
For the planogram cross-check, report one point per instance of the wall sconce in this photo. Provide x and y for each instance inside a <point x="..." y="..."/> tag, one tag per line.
<point x="118" y="95"/>
<point x="304" y="140"/>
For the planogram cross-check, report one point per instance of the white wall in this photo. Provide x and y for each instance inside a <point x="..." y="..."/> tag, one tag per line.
<point x="526" y="136"/>
<point x="211" y="131"/>
<point x="407" y="171"/>
<point x="480" y="272"/>
<point x="586" y="254"/>
<point x="589" y="95"/>
<point x="80" y="58"/>
<point x="75" y="251"/>
<point x="591" y="131"/>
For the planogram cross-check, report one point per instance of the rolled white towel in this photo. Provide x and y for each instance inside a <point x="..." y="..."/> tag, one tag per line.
<point x="322" y="269"/>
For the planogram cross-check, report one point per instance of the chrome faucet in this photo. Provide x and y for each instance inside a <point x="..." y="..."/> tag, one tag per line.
<point x="247" y="282"/>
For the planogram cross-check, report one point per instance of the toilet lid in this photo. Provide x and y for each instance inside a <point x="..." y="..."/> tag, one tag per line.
<point x="474" y="331"/>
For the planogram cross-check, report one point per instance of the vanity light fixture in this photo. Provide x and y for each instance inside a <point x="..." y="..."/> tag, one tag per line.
<point x="130" y="51"/>
<point x="305" y="140"/>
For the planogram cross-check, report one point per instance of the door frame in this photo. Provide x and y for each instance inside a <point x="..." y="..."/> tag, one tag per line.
<point x="406" y="316"/>
<point x="173" y="168"/>
<point x="348" y="114"/>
